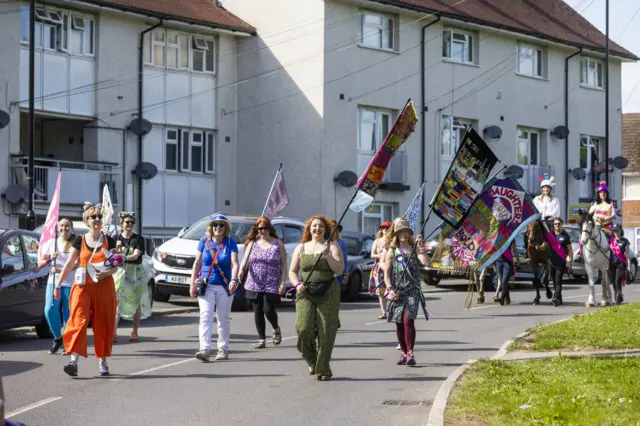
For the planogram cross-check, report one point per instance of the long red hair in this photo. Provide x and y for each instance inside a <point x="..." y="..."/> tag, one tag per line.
<point x="265" y="222"/>
<point x="306" y="235"/>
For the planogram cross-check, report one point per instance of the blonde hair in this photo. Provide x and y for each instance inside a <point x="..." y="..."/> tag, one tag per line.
<point x="89" y="210"/>
<point x="227" y="228"/>
<point x="391" y="236"/>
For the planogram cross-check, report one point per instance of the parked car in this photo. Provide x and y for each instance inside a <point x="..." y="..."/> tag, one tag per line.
<point x="429" y="275"/>
<point x="22" y="285"/>
<point x="174" y="259"/>
<point x="359" y="264"/>
<point x="80" y="228"/>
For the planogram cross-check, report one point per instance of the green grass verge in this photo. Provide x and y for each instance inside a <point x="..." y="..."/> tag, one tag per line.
<point x="559" y="390"/>
<point x="616" y="327"/>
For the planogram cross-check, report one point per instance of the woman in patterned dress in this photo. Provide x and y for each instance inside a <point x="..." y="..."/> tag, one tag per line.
<point x="265" y="267"/>
<point x="603" y="210"/>
<point x="317" y="302"/>
<point x="131" y="280"/>
<point x="376" y="279"/>
<point x="403" y="287"/>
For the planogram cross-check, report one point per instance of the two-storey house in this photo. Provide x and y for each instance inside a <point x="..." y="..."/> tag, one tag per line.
<point x="631" y="178"/>
<point x="99" y="65"/>
<point x="336" y="73"/>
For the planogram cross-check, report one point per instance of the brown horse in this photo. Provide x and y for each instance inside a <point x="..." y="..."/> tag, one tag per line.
<point x="538" y="251"/>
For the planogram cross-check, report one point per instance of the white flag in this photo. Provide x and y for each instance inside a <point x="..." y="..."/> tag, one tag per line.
<point x="107" y="208"/>
<point x="278" y="197"/>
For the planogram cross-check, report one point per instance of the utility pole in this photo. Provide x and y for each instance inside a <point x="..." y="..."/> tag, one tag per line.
<point x="606" y="102"/>
<point x="31" y="214"/>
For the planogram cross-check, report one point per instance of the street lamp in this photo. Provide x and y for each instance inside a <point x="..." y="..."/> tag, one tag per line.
<point x="606" y="102"/>
<point x="31" y="214"/>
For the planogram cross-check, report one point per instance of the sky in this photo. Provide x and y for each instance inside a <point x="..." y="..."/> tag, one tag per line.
<point x="622" y="13"/>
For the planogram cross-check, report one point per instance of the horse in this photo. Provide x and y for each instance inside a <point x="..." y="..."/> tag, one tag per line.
<point x="538" y="251"/>
<point x="596" y="252"/>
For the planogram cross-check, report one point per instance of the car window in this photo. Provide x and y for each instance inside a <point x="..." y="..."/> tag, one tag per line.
<point x="574" y="233"/>
<point x="31" y="248"/>
<point x="12" y="254"/>
<point x="239" y="230"/>
<point x="352" y="243"/>
<point x="368" y="244"/>
<point x="292" y="234"/>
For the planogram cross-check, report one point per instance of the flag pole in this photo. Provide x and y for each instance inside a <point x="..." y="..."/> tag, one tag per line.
<point x="55" y="244"/>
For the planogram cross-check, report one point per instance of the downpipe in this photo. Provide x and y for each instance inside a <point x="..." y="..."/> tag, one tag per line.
<point x="566" y="124"/>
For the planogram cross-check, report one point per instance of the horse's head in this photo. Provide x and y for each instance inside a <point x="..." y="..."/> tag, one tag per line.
<point x="588" y="227"/>
<point x="534" y="232"/>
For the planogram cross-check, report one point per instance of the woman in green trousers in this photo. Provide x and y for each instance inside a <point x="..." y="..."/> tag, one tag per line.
<point x="317" y="295"/>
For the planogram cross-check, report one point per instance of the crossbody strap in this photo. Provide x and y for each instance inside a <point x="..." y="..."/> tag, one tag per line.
<point x="214" y="260"/>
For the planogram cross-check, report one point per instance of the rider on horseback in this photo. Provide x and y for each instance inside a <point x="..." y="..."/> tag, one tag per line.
<point x="547" y="204"/>
<point x="603" y="210"/>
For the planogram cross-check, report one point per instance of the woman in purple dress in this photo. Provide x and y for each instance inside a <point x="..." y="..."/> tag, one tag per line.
<point x="265" y="268"/>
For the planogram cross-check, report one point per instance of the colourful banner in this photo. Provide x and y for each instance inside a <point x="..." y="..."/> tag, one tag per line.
<point x="465" y="179"/>
<point x="371" y="179"/>
<point x="499" y="213"/>
<point x="51" y="223"/>
<point x="278" y="197"/>
<point x="414" y="210"/>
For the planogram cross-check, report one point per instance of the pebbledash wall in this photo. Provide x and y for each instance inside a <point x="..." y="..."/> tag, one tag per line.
<point x="306" y="113"/>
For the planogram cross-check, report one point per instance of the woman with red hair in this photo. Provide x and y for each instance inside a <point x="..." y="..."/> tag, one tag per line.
<point x="318" y="295"/>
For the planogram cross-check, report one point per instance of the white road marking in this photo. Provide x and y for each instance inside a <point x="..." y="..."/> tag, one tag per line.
<point x="149" y="370"/>
<point x="31" y="406"/>
<point x="375" y="322"/>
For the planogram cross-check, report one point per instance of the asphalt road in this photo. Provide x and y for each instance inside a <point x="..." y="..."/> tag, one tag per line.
<point x="156" y="381"/>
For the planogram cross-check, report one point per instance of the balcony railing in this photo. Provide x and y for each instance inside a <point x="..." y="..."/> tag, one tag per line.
<point x="530" y="181"/>
<point x="396" y="171"/>
<point x="80" y="182"/>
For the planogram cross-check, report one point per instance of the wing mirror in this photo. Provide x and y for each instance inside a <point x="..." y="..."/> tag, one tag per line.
<point x="182" y="231"/>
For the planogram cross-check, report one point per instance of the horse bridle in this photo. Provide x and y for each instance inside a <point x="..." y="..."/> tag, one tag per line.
<point x="582" y="231"/>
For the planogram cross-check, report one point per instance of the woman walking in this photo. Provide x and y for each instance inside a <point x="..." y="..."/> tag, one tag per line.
<point x="620" y="261"/>
<point x="376" y="279"/>
<point x="89" y="299"/>
<point x="505" y="267"/>
<point x="55" y="253"/>
<point x="317" y="302"/>
<point x="131" y="280"/>
<point x="401" y="276"/>
<point x="558" y="269"/>
<point x="266" y="271"/>
<point x="213" y="279"/>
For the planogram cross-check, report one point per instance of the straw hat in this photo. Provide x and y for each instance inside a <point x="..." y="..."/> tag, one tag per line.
<point x="400" y="224"/>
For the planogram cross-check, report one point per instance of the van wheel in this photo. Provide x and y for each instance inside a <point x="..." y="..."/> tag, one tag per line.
<point x="42" y="330"/>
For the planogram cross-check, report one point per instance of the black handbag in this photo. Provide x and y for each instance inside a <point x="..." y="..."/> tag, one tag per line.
<point x="319" y="288"/>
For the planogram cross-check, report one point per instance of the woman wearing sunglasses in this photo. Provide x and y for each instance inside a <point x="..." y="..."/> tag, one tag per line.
<point x="265" y="268"/>
<point x="131" y="280"/>
<point x="89" y="299"/>
<point x="558" y="270"/>
<point x="214" y="279"/>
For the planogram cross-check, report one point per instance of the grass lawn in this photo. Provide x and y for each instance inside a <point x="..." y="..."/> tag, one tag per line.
<point x="616" y="327"/>
<point x="559" y="390"/>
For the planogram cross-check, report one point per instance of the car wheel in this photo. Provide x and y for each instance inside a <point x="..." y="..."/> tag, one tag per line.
<point x="634" y="271"/>
<point x="151" y="288"/>
<point x="42" y="330"/>
<point x="432" y="278"/>
<point x="353" y="287"/>
<point x="159" y="296"/>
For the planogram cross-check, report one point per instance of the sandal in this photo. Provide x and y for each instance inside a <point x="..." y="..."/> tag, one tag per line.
<point x="312" y="371"/>
<point x="383" y="316"/>
<point x="277" y="336"/>
<point x="134" y="336"/>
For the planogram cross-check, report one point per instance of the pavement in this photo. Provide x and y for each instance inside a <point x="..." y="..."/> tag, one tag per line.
<point x="156" y="381"/>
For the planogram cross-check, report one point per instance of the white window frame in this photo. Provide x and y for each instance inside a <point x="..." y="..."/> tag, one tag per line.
<point x="379" y="113"/>
<point x="171" y="45"/>
<point x="52" y="29"/>
<point x="210" y="153"/>
<point x="538" y="149"/>
<point x="66" y="23"/>
<point x="537" y="69"/>
<point x="591" y="143"/>
<point x="209" y="44"/>
<point x="468" y="46"/>
<point x="176" y="142"/>
<point x="587" y="79"/>
<point x="631" y="188"/>
<point x="369" y="214"/>
<point x="457" y="127"/>
<point x="155" y="42"/>
<point x="384" y="31"/>
<point x="184" y="150"/>
<point x="193" y="144"/>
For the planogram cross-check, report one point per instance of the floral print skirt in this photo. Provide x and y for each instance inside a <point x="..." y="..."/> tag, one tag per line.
<point x="132" y="290"/>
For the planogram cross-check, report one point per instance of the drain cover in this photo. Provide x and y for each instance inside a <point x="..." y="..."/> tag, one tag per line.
<point x="407" y="402"/>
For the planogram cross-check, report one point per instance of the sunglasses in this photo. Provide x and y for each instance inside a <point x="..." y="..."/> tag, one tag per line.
<point x="128" y="222"/>
<point x="557" y="224"/>
<point x="218" y="225"/>
<point x="96" y="216"/>
<point x="262" y="229"/>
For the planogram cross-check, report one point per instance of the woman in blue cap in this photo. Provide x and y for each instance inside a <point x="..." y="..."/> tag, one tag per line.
<point x="213" y="279"/>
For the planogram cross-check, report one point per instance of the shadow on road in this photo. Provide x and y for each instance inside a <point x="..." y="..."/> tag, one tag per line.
<point x="10" y="368"/>
<point x="383" y="344"/>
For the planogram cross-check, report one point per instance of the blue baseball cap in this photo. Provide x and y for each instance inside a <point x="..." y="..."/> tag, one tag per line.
<point x="219" y="218"/>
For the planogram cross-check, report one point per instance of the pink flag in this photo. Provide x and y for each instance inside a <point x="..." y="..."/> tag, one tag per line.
<point x="278" y="197"/>
<point x="49" y="230"/>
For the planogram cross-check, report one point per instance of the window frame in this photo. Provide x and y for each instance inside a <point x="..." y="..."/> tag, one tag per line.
<point x="193" y="144"/>
<point x="630" y="180"/>
<point x="367" y="214"/>
<point x="176" y="142"/>
<point x="25" y="252"/>
<point x="379" y="137"/>
<point x="538" y="61"/>
<point x="585" y="62"/>
<point x="65" y="24"/>
<point x="387" y="26"/>
<point x="538" y="153"/>
<point x="150" y="42"/>
<point x="469" y="43"/>
<point x="24" y="261"/>
<point x="208" y="154"/>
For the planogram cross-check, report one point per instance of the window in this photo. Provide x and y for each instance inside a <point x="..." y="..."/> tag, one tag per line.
<point x="59" y="31"/>
<point x="31" y="248"/>
<point x="196" y="152"/>
<point x="378" y="31"/>
<point x="377" y="213"/>
<point x="528" y="149"/>
<point x="202" y="55"/>
<point x="184" y="51"/>
<point x="12" y="254"/>
<point x="158" y="48"/>
<point x="291" y="234"/>
<point x="171" y="150"/>
<point x="591" y="72"/>
<point x="452" y="132"/>
<point x="184" y="151"/>
<point x="374" y="125"/>
<point x="458" y="46"/>
<point x="50" y="33"/>
<point x="530" y="61"/>
<point x="631" y="188"/>
<point x="173" y="50"/>
<point x="590" y="149"/>
<point x="210" y="153"/>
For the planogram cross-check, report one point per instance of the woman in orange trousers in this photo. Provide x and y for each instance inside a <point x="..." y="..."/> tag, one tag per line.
<point x="89" y="299"/>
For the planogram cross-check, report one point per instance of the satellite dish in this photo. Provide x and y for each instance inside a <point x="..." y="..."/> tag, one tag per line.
<point x="514" y="171"/>
<point x="493" y="132"/>
<point x="346" y="178"/>
<point x="4" y="119"/>
<point x="16" y="194"/>
<point x="145" y="170"/>
<point x="140" y="126"/>
<point x="560" y="132"/>
<point x="620" y="162"/>
<point x="579" y="173"/>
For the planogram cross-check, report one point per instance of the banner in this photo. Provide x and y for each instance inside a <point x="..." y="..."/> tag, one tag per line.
<point x="51" y="223"/>
<point x="107" y="208"/>
<point x="465" y="179"/>
<point x="278" y="196"/>
<point x="371" y="179"/>
<point x="414" y="210"/>
<point x="499" y="213"/>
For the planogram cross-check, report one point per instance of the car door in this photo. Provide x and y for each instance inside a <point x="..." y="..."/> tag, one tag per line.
<point x="14" y="291"/>
<point x="36" y="279"/>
